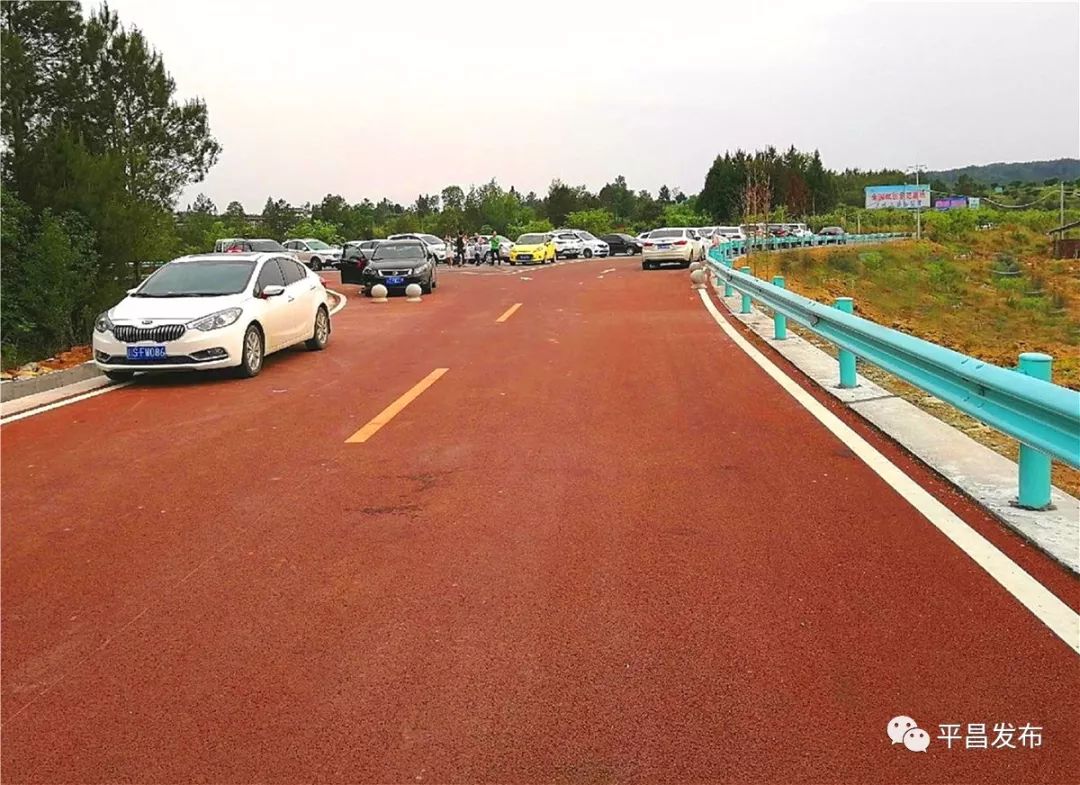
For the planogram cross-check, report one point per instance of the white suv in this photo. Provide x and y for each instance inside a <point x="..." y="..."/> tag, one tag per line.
<point x="591" y="245"/>
<point x="314" y="253"/>
<point x="567" y="244"/>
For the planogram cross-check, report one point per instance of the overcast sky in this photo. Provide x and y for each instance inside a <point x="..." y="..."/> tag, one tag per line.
<point x="401" y="98"/>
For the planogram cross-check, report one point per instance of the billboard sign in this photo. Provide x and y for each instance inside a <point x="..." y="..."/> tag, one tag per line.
<point x="950" y="203"/>
<point x="974" y="202"/>
<point x="898" y="196"/>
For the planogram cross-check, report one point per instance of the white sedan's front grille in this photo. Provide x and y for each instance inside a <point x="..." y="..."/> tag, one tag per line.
<point x="128" y="333"/>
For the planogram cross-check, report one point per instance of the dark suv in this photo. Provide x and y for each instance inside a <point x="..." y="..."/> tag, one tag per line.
<point x="395" y="264"/>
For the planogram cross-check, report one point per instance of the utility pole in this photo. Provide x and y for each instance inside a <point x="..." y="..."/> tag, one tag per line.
<point x="918" y="205"/>
<point x="1061" y="205"/>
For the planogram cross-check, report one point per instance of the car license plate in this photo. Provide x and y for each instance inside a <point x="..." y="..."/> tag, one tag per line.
<point x="146" y="353"/>
<point x="665" y="247"/>
<point x="395" y="280"/>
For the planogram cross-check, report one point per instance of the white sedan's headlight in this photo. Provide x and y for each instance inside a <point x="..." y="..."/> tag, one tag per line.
<point x="216" y="321"/>
<point x="104" y="323"/>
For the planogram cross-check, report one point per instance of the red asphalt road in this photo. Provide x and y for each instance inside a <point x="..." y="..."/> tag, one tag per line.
<point x="605" y="546"/>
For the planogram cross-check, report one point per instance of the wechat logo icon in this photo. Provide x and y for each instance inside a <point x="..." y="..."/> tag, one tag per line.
<point x="904" y="730"/>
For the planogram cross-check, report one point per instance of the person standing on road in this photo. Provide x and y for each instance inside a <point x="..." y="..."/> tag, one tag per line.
<point x="478" y="251"/>
<point x="470" y="250"/>
<point x="495" y="259"/>
<point x="459" y="250"/>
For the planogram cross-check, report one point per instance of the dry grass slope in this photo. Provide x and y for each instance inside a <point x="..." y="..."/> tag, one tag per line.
<point x="992" y="296"/>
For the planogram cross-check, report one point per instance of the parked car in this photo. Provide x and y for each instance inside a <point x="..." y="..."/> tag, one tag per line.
<point x="435" y="244"/>
<point x="833" y="235"/>
<point x="356" y="250"/>
<point x="621" y="243"/>
<point x="643" y="237"/>
<point x="731" y="232"/>
<point x="213" y="311"/>
<point x="395" y="264"/>
<point x="244" y="245"/>
<point x="505" y="244"/>
<point x="670" y="245"/>
<point x="314" y="253"/>
<point x="567" y="244"/>
<point x="537" y="248"/>
<point x="591" y="245"/>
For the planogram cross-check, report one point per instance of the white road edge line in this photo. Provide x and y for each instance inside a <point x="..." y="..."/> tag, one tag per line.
<point x="1051" y="611"/>
<point x="65" y="402"/>
<point x="342" y="302"/>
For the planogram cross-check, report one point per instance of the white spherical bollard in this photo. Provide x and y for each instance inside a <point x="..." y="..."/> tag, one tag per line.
<point x="412" y="293"/>
<point x="697" y="277"/>
<point x="695" y="265"/>
<point x="378" y="293"/>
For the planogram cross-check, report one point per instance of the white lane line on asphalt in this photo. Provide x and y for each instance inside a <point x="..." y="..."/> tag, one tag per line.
<point x="608" y="270"/>
<point x="66" y="402"/>
<point x="1055" y="614"/>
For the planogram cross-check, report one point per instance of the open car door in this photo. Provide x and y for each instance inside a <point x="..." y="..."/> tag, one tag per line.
<point x="353" y="262"/>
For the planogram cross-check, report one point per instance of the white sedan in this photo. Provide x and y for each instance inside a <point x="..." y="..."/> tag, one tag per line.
<point x="670" y="245"/>
<point x="213" y="311"/>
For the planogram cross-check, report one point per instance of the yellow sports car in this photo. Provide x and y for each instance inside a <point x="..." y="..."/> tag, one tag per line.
<point x="533" y="249"/>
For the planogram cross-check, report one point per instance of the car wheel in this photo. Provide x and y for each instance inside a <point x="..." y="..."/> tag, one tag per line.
<point x="320" y="334"/>
<point x="513" y="263"/>
<point x="588" y="253"/>
<point x="425" y="288"/>
<point x="251" y="360"/>
<point x="120" y="376"/>
<point x="316" y="264"/>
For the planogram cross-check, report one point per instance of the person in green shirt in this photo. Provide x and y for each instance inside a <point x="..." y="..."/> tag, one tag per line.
<point x="495" y="258"/>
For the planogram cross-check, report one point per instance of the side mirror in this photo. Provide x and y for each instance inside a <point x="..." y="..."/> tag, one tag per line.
<point x="272" y="290"/>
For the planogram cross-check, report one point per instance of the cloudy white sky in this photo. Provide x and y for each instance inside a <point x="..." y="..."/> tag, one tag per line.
<point x="401" y="98"/>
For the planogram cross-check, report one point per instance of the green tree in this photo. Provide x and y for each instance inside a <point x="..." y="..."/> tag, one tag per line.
<point x="277" y="217"/>
<point x="597" y="221"/>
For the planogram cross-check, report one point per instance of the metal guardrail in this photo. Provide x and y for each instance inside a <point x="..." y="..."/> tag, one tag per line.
<point x="782" y="243"/>
<point x="1023" y="402"/>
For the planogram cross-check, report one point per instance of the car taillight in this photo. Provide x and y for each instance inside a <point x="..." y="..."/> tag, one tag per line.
<point x="647" y="244"/>
<point x="680" y="242"/>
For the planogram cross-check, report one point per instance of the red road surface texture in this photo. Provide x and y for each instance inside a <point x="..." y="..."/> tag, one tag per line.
<point x="603" y="547"/>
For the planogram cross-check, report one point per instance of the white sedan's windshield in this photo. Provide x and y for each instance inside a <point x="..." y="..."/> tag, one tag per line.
<point x="194" y="279"/>
<point x="317" y="245"/>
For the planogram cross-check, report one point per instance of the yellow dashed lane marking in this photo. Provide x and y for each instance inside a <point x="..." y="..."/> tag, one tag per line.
<point x="509" y="312"/>
<point x="392" y="411"/>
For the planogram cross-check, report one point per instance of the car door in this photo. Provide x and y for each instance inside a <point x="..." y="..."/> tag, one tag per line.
<point x="300" y="291"/>
<point x="274" y="314"/>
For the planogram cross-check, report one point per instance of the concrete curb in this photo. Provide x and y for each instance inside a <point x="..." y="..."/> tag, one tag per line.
<point x="20" y="388"/>
<point x="980" y="473"/>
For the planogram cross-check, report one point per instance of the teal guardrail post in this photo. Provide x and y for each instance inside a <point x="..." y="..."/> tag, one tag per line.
<point x="1034" y="491"/>
<point x="847" y="359"/>
<point x="745" y="297"/>
<point x="779" y="320"/>
<point x="729" y="290"/>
